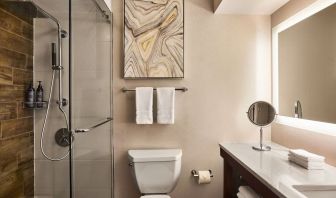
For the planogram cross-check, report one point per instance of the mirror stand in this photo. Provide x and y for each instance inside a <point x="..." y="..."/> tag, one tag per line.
<point x="262" y="114"/>
<point x="261" y="146"/>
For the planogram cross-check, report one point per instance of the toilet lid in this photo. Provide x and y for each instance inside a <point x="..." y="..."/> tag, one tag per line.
<point x="155" y="155"/>
<point x="155" y="196"/>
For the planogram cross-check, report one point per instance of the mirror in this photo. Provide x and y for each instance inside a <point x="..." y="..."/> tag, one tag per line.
<point x="307" y="68"/>
<point x="261" y="113"/>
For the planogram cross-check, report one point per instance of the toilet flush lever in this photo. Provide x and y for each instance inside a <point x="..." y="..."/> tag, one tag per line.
<point x="131" y="164"/>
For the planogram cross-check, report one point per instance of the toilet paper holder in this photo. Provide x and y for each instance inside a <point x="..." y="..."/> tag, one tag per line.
<point x="194" y="173"/>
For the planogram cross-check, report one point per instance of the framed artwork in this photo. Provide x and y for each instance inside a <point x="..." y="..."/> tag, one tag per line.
<point x="153" y="39"/>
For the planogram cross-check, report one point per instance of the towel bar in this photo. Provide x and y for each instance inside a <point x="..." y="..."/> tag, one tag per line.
<point x="183" y="89"/>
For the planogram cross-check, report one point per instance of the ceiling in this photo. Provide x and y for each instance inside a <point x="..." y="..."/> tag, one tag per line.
<point x="251" y="7"/>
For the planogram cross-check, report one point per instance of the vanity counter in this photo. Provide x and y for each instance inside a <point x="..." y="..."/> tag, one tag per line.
<point x="269" y="173"/>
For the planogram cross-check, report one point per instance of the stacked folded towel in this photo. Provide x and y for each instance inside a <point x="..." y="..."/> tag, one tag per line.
<point x="306" y="159"/>
<point x="246" y="192"/>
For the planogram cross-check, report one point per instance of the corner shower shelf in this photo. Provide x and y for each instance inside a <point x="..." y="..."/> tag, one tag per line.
<point x="35" y="105"/>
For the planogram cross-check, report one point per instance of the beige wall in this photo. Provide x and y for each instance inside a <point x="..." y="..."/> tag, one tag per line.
<point x="292" y="137"/>
<point x="227" y="68"/>
<point x="289" y="9"/>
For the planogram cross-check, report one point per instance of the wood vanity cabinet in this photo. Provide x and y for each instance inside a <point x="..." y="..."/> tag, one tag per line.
<point x="236" y="174"/>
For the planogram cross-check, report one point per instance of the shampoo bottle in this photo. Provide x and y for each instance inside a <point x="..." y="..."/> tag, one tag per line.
<point x="30" y="94"/>
<point x="39" y="95"/>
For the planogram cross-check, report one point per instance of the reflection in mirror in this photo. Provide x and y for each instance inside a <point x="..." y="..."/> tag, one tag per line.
<point x="307" y="68"/>
<point x="298" y="109"/>
<point x="261" y="114"/>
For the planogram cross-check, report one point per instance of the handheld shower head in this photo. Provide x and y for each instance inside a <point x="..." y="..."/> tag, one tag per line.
<point x="53" y="55"/>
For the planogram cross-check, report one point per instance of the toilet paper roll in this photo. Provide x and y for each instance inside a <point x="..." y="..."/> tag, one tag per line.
<point x="204" y="177"/>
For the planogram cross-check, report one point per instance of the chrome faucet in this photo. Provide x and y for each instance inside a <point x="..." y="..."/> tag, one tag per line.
<point x="298" y="109"/>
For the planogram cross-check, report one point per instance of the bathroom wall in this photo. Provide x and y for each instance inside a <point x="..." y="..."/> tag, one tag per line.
<point x="293" y="137"/>
<point x="16" y="135"/>
<point x="288" y="10"/>
<point x="227" y="68"/>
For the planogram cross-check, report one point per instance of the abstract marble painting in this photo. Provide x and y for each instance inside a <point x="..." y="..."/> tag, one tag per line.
<point x="154" y="39"/>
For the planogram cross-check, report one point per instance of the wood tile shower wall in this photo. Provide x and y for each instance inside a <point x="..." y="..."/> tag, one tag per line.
<point x="16" y="123"/>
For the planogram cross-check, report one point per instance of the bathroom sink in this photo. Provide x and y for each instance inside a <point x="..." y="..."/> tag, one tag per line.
<point x="294" y="189"/>
<point x="316" y="191"/>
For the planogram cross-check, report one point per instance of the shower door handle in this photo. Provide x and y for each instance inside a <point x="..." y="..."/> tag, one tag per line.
<point x="84" y="130"/>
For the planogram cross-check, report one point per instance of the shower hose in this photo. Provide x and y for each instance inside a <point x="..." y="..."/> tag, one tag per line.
<point x="46" y="119"/>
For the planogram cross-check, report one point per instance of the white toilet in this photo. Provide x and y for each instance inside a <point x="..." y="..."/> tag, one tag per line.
<point x="156" y="171"/>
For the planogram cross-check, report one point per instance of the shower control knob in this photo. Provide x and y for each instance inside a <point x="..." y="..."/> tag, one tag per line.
<point x="62" y="137"/>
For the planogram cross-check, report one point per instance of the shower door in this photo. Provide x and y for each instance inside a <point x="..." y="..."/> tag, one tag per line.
<point x="90" y="77"/>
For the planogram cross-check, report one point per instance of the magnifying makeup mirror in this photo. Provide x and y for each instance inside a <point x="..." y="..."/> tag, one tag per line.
<point x="262" y="114"/>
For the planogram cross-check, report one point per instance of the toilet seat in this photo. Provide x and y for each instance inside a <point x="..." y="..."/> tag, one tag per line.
<point x="155" y="196"/>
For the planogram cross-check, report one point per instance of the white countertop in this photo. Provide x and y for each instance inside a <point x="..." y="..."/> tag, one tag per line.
<point x="274" y="168"/>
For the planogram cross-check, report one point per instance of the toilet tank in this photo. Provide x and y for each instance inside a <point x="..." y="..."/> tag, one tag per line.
<point x="156" y="171"/>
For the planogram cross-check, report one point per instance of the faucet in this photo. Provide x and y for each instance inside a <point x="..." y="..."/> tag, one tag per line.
<point x="298" y="109"/>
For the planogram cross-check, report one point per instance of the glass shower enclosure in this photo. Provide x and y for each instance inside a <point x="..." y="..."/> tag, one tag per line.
<point x="72" y="127"/>
<point x="91" y="98"/>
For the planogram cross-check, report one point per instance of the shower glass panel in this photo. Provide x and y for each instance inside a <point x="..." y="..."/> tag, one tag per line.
<point x="51" y="178"/>
<point x="91" y="99"/>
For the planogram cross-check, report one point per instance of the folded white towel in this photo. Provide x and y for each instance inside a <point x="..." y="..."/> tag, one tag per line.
<point x="247" y="192"/>
<point x="166" y="105"/>
<point x="307" y="165"/>
<point x="305" y="155"/>
<point x="144" y="105"/>
<point x="311" y="167"/>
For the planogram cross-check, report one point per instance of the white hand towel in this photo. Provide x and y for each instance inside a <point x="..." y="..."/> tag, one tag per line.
<point x="144" y="105"/>
<point x="307" y="165"/>
<point x="166" y="105"/>
<point x="305" y="155"/>
<point x="247" y="192"/>
<point x="310" y="167"/>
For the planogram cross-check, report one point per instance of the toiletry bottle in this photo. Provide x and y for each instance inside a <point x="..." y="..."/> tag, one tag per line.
<point x="30" y="96"/>
<point x="39" y="95"/>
